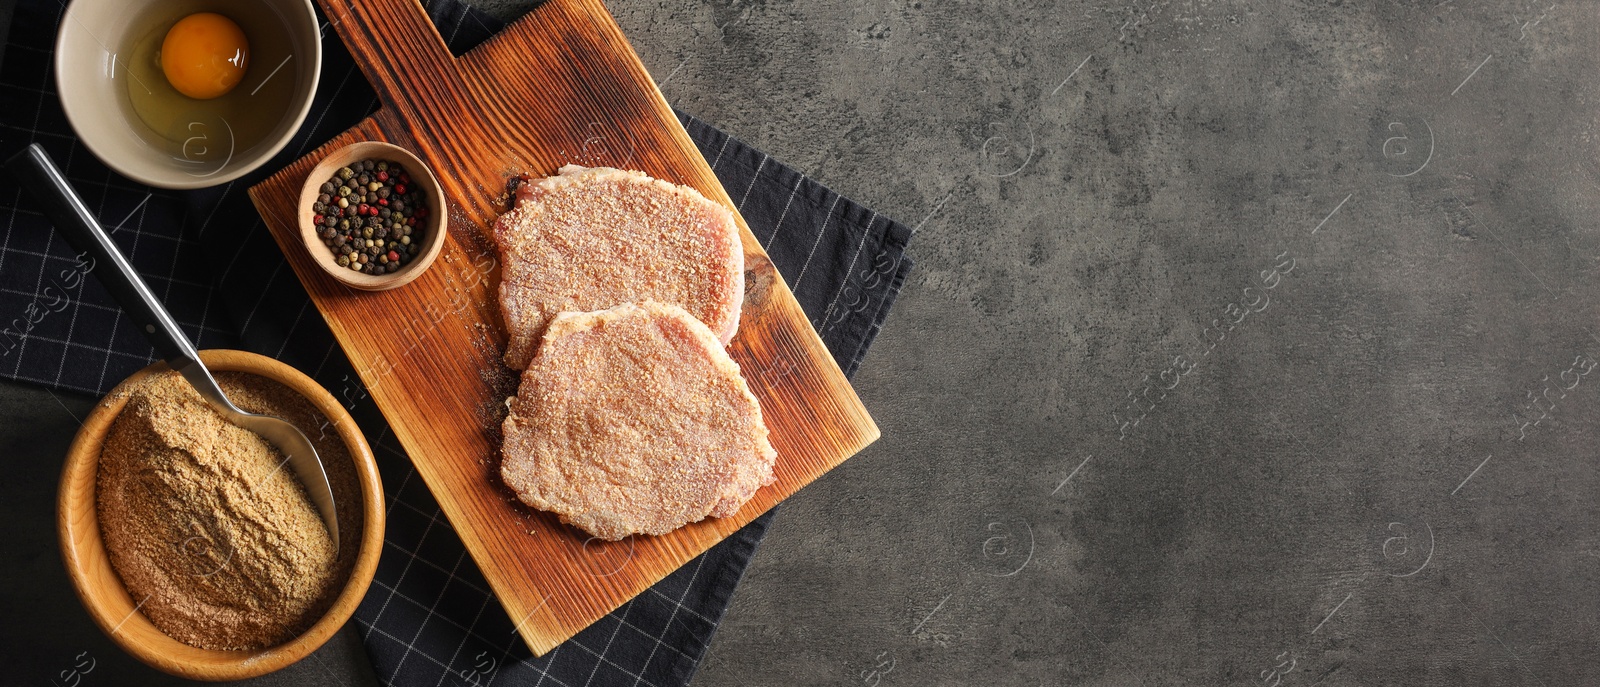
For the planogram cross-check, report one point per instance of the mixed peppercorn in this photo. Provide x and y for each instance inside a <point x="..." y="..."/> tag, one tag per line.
<point x="371" y="216"/>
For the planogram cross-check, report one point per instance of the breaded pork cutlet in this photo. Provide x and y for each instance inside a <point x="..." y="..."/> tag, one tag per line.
<point x="591" y="238"/>
<point x="634" y="420"/>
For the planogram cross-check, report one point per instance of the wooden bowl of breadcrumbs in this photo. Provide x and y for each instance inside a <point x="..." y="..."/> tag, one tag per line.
<point x="190" y="606"/>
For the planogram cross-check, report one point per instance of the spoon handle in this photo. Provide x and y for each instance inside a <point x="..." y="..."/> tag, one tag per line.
<point x="34" y="170"/>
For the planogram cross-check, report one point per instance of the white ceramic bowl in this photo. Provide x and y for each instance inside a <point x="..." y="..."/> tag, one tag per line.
<point x="91" y="84"/>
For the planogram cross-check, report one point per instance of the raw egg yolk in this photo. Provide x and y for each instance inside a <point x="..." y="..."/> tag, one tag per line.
<point x="204" y="55"/>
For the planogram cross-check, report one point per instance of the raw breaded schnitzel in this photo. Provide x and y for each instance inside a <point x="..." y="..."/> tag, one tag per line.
<point x="634" y="420"/>
<point x="591" y="238"/>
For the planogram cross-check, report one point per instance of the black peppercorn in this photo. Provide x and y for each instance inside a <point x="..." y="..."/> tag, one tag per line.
<point x="368" y="225"/>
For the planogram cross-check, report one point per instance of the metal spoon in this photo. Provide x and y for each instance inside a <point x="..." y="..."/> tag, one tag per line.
<point x="34" y="169"/>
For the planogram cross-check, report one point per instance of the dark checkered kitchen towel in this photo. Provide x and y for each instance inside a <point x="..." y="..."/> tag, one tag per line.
<point x="429" y="618"/>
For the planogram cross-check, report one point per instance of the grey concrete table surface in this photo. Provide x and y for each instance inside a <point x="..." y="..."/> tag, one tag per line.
<point x="1248" y="344"/>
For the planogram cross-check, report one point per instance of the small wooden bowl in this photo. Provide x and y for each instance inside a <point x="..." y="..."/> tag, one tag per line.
<point x="113" y="608"/>
<point x="433" y="240"/>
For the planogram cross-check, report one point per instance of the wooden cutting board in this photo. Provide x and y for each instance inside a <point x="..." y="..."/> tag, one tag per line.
<point x="559" y="86"/>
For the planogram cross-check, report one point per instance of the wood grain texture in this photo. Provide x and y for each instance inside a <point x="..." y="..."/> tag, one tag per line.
<point x="559" y="86"/>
